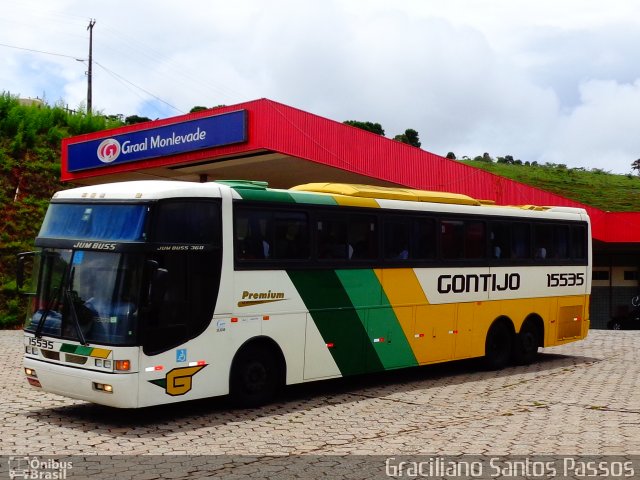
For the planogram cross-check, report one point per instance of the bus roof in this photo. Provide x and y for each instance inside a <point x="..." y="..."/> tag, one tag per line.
<point x="370" y="191"/>
<point x="315" y="193"/>
<point x="141" y="190"/>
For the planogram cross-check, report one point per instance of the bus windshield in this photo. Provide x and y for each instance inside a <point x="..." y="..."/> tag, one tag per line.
<point x="117" y="222"/>
<point x="88" y="296"/>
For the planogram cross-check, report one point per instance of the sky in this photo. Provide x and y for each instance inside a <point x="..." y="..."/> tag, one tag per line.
<point x="552" y="81"/>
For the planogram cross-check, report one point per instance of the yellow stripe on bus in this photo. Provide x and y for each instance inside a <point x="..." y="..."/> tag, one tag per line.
<point x="346" y="201"/>
<point x="433" y="331"/>
<point x="100" y="353"/>
<point x="409" y="302"/>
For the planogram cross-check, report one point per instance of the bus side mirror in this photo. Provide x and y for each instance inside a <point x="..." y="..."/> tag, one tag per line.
<point x="158" y="282"/>
<point x="24" y="269"/>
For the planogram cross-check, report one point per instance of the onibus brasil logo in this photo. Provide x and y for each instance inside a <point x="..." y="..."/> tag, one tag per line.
<point x="28" y="467"/>
<point x="108" y="150"/>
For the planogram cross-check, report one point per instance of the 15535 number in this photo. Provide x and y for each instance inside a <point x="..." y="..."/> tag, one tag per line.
<point x="40" y="343"/>
<point x="565" y="279"/>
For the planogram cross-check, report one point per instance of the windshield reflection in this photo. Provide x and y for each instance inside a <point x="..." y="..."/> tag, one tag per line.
<point x="87" y="294"/>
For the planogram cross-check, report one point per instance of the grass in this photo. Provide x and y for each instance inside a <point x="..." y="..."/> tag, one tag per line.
<point x="597" y="188"/>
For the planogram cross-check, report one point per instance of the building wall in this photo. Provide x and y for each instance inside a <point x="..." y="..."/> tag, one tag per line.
<point x="611" y="292"/>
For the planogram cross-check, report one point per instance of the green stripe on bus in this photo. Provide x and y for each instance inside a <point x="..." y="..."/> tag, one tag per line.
<point x="336" y="319"/>
<point x="384" y="331"/>
<point x="85" y="351"/>
<point x="265" y="195"/>
<point x="284" y="196"/>
<point x="313" y="198"/>
<point x="68" y="348"/>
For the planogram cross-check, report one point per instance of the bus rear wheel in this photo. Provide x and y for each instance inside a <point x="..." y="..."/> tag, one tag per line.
<point x="526" y="344"/>
<point x="254" y="377"/>
<point x="498" y="346"/>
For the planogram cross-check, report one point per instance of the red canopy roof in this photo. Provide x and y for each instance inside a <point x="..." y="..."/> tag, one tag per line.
<point x="276" y="127"/>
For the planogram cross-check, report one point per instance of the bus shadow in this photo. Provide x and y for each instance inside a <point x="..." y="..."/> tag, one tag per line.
<point x="161" y="420"/>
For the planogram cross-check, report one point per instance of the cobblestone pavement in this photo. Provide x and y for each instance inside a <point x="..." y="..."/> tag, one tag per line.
<point x="579" y="399"/>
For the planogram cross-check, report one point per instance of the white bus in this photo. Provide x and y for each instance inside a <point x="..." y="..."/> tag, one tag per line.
<point x="146" y="293"/>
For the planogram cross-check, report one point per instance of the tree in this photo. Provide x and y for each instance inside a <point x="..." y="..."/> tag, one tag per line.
<point x="368" y="126"/>
<point x="197" y="108"/>
<point x="133" y="119"/>
<point x="636" y="166"/>
<point x="451" y="156"/>
<point x="410" y="137"/>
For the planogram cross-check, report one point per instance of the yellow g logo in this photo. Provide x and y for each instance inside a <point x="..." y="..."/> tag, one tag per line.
<point x="178" y="381"/>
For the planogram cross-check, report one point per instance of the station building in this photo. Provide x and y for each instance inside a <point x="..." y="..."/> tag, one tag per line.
<point x="285" y="146"/>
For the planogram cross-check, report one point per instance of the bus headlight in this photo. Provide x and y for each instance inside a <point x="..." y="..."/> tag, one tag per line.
<point x="32" y="378"/>
<point x="103" y="387"/>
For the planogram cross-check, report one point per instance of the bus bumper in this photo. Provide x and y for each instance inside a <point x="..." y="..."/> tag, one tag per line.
<point x="85" y="384"/>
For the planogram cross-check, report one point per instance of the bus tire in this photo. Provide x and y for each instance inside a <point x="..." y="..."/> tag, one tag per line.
<point x="498" y="346"/>
<point x="526" y="344"/>
<point x="254" y="377"/>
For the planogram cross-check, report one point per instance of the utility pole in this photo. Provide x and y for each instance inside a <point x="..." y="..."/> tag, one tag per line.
<point x="92" y="22"/>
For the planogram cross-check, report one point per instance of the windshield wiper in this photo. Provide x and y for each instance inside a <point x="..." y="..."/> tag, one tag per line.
<point x="67" y="278"/>
<point x="74" y="316"/>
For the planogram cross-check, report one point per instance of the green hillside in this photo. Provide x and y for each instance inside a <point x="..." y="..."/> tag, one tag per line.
<point x="598" y="188"/>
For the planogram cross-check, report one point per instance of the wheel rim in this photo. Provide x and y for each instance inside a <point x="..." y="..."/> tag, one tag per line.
<point x="255" y="377"/>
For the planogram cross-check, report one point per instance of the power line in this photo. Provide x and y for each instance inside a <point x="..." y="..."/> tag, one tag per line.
<point x="120" y="77"/>
<point x="127" y="86"/>
<point x="136" y="50"/>
<point x="110" y="72"/>
<point x="42" y="51"/>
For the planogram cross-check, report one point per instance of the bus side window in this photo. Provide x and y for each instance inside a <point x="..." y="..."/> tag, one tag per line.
<point x="396" y="239"/>
<point x="500" y="240"/>
<point x="363" y="237"/>
<point x="452" y="239"/>
<point x="291" y="235"/>
<point x="251" y="233"/>
<point x="424" y="239"/>
<point x="561" y="244"/>
<point x="332" y="239"/>
<point x="578" y="242"/>
<point x="475" y="240"/>
<point x="543" y="242"/>
<point x="520" y="241"/>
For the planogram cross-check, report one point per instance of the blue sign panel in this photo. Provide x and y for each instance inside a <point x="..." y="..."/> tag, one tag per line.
<point x="173" y="139"/>
<point x="181" y="355"/>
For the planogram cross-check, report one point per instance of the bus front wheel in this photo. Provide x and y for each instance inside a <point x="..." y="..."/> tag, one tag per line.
<point x="498" y="346"/>
<point x="254" y="377"/>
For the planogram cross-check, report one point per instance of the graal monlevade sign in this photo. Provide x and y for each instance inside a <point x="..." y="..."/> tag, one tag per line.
<point x="173" y="139"/>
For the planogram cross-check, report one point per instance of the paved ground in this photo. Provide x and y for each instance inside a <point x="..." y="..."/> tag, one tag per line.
<point x="580" y="399"/>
